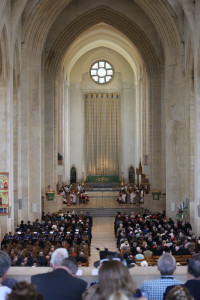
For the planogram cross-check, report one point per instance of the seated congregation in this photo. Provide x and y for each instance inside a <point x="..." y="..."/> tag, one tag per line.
<point x="33" y="244"/>
<point x="114" y="281"/>
<point x="147" y="236"/>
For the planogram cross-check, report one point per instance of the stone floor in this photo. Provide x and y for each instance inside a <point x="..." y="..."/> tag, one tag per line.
<point x="102" y="237"/>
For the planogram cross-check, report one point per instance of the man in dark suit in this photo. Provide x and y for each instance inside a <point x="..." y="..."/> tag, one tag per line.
<point x="193" y="282"/>
<point x="61" y="284"/>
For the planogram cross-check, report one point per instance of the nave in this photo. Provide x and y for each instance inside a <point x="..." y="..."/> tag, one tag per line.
<point x="102" y="237"/>
<point x="103" y="207"/>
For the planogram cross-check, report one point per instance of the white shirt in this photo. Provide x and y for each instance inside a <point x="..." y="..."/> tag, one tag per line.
<point x="123" y="198"/>
<point x="4" y="291"/>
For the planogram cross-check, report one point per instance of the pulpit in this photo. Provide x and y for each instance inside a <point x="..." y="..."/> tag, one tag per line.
<point x="50" y="196"/>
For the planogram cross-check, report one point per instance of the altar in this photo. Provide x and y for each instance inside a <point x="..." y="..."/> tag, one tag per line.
<point x="102" y="179"/>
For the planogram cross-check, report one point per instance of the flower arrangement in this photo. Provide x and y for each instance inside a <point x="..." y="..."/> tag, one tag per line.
<point x="181" y="213"/>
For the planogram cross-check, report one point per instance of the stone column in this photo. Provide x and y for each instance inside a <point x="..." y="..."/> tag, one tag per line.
<point x="177" y="135"/>
<point x="77" y="120"/>
<point x="50" y="127"/>
<point x="195" y="206"/>
<point x="129" y="129"/>
<point x="31" y="135"/>
<point x="66" y="109"/>
<point x="155" y="130"/>
<point x="6" y="144"/>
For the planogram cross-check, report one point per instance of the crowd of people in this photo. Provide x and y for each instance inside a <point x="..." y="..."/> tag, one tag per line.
<point x="114" y="281"/>
<point x="73" y="194"/>
<point x="142" y="235"/>
<point x="62" y="241"/>
<point x="33" y="244"/>
<point x="131" y="194"/>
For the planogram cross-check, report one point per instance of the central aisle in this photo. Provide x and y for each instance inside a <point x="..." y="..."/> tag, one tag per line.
<point x="102" y="237"/>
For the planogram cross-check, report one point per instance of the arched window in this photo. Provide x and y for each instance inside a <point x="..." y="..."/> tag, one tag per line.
<point x="73" y="175"/>
<point x="131" y="175"/>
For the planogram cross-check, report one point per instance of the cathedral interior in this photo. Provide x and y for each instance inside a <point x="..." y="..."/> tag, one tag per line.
<point x="109" y="85"/>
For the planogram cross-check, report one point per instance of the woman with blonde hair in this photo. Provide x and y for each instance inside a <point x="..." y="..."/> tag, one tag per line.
<point x="113" y="277"/>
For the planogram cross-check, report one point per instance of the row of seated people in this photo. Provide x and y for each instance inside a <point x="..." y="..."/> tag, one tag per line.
<point x="33" y="244"/>
<point x="147" y="235"/>
<point x="146" y="260"/>
<point x="131" y="195"/>
<point x="114" y="281"/>
<point x="74" y="194"/>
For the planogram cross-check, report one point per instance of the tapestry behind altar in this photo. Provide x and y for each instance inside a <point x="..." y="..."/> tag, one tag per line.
<point x="4" y="200"/>
<point x="102" y="133"/>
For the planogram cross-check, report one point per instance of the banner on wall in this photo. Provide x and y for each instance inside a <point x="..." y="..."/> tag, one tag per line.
<point x="4" y="197"/>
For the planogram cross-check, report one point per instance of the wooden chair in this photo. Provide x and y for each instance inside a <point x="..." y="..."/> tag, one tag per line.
<point x="148" y="257"/>
<point x="187" y="256"/>
<point x="138" y="261"/>
<point x="156" y="258"/>
<point x="84" y="264"/>
<point x="150" y="260"/>
<point x="151" y="263"/>
<point x="180" y="259"/>
<point x="124" y="252"/>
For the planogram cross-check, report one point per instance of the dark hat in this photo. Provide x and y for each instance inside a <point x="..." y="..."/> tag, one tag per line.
<point x="106" y="255"/>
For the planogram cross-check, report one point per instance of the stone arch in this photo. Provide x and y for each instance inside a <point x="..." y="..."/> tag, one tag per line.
<point x="136" y="36"/>
<point x="41" y="16"/>
<point x="39" y="25"/>
<point x="16" y="127"/>
<point x="112" y="18"/>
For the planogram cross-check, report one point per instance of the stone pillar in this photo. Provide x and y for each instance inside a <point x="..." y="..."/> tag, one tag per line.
<point x="155" y="131"/>
<point x="31" y="135"/>
<point x="177" y="136"/>
<point x="50" y="127"/>
<point x="129" y="133"/>
<point x="66" y="109"/>
<point x="195" y="206"/>
<point x="6" y="145"/>
<point x="77" y="128"/>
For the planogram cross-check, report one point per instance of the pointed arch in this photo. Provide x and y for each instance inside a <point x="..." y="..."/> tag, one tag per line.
<point x="73" y="175"/>
<point x="131" y="174"/>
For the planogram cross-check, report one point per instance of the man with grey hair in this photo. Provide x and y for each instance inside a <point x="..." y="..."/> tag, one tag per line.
<point x="154" y="289"/>
<point x="57" y="257"/>
<point x="193" y="274"/>
<point x="5" y="263"/>
<point x="61" y="283"/>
